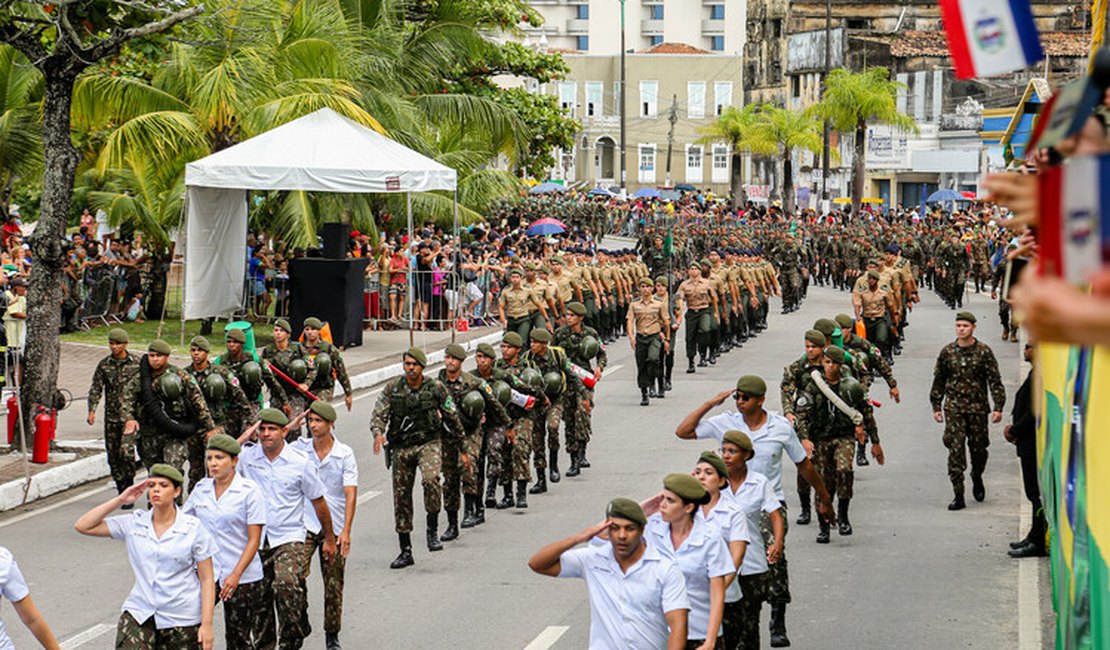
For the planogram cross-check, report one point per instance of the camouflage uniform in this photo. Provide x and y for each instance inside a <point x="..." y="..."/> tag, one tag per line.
<point x="961" y="378"/>
<point x="283" y="573"/>
<point x="832" y="432"/>
<point x="324" y="385"/>
<point x="332" y="571"/>
<point x="526" y="421"/>
<point x="109" y="379"/>
<point x="244" y="614"/>
<point x="550" y="416"/>
<point x="130" y="635"/>
<point x="234" y="404"/>
<point x="577" y="421"/>
<point x="454" y="473"/>
<point x="235" y="424"/>
<point x="282" y="359"/>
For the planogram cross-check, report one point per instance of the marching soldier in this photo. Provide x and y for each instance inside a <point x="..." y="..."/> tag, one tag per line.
<point x="252" y="376"/>
<point x="877" y="307"/>
<point x="328" y="362"/>
<point x="793" y="380"/>
<point x="873" y="359"/>
<point x="110" y="378"/>
<point x="528" y="383"/>
<point x="695" y="296"/>
<point x="222" y="394"/>
<point x="289" y="357"/>
<point x="558" y="379"/>
<point x="516" y="304"/>
<point x="496" y="448"/>
<point x="582" y="344"/>
<point x="649" y="330"/>
<point x="663" y="295"/>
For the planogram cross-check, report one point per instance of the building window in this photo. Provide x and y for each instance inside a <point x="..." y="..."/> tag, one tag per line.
<point x="649" y="98"/>
<point x="566" y="160"/>
<point x="716" y="12"/>
<point x="582" y="43"/>
<point x="722" y="96"/>
<point x="776" y="28"/>
<point x="694" y="153"/>
<point x="717" y="43"/>
<point x="795" y="86"/>
<point x="695" y="99"/>
<point x="655" y="12"/>
<point x="656" y="39"/>
<point x="594" y="91"/>
<point x="720" y="163"/>
<point x="568" y="96"/>
<point x="859" y="23"/>
<point x="582" y="12"/>
<point x="647" y="163"/>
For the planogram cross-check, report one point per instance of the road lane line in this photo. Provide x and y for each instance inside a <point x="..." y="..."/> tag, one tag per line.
<point x="366" y="496"/>
<point x="91" y="634"/>
<point x="547" y="638"/>
<point x="358" y="397"/>
<point x="611" y="370"/>
<point x="54" y="506"/>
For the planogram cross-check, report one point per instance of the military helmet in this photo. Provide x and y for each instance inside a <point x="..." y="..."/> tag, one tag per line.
<point x="589" y="347"/>
<point x="501" y="391"/>
<point x="473" y="404"/>
<point x="172" y="386"/>
<point x="214" y="386"/>
<point x="323" y="363"/>
<point x="553" y="383"/>
<point x="854" y="391"/>
<point x="298" y="370"/>
<point x="532" y="378"/>
<point x="251" y="374"/>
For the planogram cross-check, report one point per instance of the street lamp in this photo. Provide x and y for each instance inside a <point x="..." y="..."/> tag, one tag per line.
<point x="624" y="91"/>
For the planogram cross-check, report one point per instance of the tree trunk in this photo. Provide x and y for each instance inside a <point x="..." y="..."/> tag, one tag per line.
<point x="737" y="184"/>
<point x="859" y="167"/>
<point x="44" y="295"/>
<point x="788" y="180"/>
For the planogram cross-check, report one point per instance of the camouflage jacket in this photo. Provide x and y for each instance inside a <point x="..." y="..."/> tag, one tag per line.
<point x="254" y="393"/>
<point x="871" y="355"/>
<point x="510" y="374"/>
<point x="555" y="360"/>
<point x="326" y="381"/>
<point x="234" y="401"/>
<point x="571" y="342"/>
<point x="962" y="377"/>
<point x="109" y="379"/>
<point x="191" y="407"/>
<point x="409" y="418"/>
<point x="819" y="419"/>
<point x="281" y="359"/>
<point x="494" y="414"/>
<point x="795" y="376"/>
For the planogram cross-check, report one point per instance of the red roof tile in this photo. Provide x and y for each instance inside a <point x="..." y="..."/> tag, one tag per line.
<point x="673" y="48"/>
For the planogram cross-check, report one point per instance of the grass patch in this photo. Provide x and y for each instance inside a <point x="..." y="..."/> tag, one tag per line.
<point x="141" y="334"/>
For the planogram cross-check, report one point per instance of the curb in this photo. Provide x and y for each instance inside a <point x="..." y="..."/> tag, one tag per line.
<point x="53" y="481"/>
<point x="374" y="377"/>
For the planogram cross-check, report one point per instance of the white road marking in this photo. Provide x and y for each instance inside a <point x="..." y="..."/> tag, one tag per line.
<point x="366" y="496"/>
<point x="362" y="396"/>
<point x="91" y="634"/>
<point x="54" y="506"/>
<point x="547" y="638"/>
<point x="610" y="370"/>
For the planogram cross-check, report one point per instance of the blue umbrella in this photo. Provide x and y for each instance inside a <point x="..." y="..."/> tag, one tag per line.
<point x="647" y="193"/>
<point x="684" y="187"/>
<point x="670" y="195"/>
<point x="597" y="191"/>
<point x="544" y="229"/>
<point x="945" y="195"/>
<point x="547" y="188"/>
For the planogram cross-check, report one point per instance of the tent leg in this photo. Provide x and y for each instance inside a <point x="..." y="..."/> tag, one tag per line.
<point x="412" y="277"/>
<point x="454" y="313"/>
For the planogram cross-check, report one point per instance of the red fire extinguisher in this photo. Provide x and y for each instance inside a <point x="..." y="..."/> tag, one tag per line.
<point x="13" y="417"/>
<point x="44" y="433"/>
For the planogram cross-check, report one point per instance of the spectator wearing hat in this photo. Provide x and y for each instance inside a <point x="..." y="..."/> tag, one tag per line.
<point x="649" y="587"/>
<point x="109" y="379"/>
<point x="174" y="596"/>
<point x="291" y="358"/>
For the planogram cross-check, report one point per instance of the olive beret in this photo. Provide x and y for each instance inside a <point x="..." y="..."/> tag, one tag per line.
<point x="117" y="335"/>
<point x="738" y="438"/>
<point x="577" y="308"/>
<point x="752" y="385"/>
<point x="236" y="335"/>
<point x="835" y="353"/>
<point x="516" y="272"/>
<point x="646" y="282"/>
<point x="225" y="443"/>
<point x="530" y="266"/>
<point x="323" y="409"/>
<point x="622" y="508"/>
<point x="545" y="269"/>
<point x="966" y="315"/>
<point x="705" y="262"/>
<point x="487" y="350"/>
<point x="714" y="460"/>
<point x="825" y="326"/>
<point x="417" y="355"/>
<point x="314" y="323"/>
<point x="815" y="337"/>
<point x="873" y="275"/>
<point x="541" y="335"/>
<point x="512" y="339"/>
<point x="273" y="416"/>
<point x="686" y="487"/>
<point x="200" y="343"/>
<point x="167" y="471"/>
<point x="558" y="259"/>
<point x="455" y="350"/>
<point x="282" y="324"/>
<point x="160" y="347"/>
<point x="661" y="280"/>
<point x="844" y="320"/>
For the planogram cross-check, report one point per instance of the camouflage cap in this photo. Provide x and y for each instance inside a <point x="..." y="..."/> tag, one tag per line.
<point x="117" y="335"/>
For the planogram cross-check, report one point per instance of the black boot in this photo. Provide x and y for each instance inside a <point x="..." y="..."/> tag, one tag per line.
<point x="803" y="516"/>
<point x="553" y="466"/>
<point x="844" y="527"/>
<point x="667" y="383"/>
<point x="405" y="558"/>
<point x="451" y="533"/>
<point x="479" y="510"/>
<point x="958" y="502"/>
<point x="470" y="511"/>
<point x="861" y="455"/>
<point x="661" y="392"/>
<point x="823" y="530"/>
<point x="540" y="487"/>
<point x="702" y="362"/>
<point x="690" y="369"/>
<point x="644" y="397"/>
<point x="574" y="470"/>
<point x="331" y="641"/>
<point x="507" y="500"/>
<point x="978" y="490"/>
<point x="582" y="462"/>
<point x="433" y="533"/>
<point x="522" y="494"/>
<point x="778" y="626"/>
<point x="491" y="495"/>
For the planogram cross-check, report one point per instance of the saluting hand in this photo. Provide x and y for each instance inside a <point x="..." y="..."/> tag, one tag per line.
<point x="132" y="494"/>
<point x="651" y="505"/>
<point x="720" y="398"/>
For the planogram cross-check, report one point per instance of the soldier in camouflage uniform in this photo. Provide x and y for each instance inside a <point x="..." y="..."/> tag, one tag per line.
<point x="109" y="379"/>
<point x="873" y="360"/>
<point x="236" y="359"/>
<point x="965" y="371"/>
<point x="793" y="380"/>
<point x="409" y="420"/>
<point x="222" y="394"/>
<point x="550" y="361"/>
<point x="291" y="358"/>
<point x="577" y="419"/>
<point x="528" y="418"/>
<point x="497" y="450"/>
<point x="172" y="412"/>
<point x="327" y="372"/>
<point x="827" y="432"/>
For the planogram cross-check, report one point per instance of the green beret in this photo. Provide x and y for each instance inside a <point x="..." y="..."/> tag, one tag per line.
<point x="621" y="508"/>
<point x="705" y="262"/>
<point x="418" y="355"/>
<point x="324" y="410"/>
<point x="558" y="259"/>
<point x="530" y="266"/>
<point x="282" y="324"/>
<point x="200" y="343"/>
<point x="545" y="269"/>
<point x="513" y="339"/>
<point x="966" y="315"/>
<point x="815" y="337"/>
<point x="686" y="487"/>
<point x="236" y="335"/>
<point x="825" y="326"/>
<point x="487" y="350"/>
<point x="541" y="335"/>
<point x="577" y="308"/>
<point x="117" y="335"/>
<point x="166" y="471"/>
<point x="740" y="439"/>
<point x="455" y="350"/>
<point x="844" y="320"/>
<point x="835" y="353"/>
<point x="160" y="347"/>
<point x="273" y="416"/>
<point x="752" y="385"/>
<point x="873" y="275"/>
<point x="661" y="280"/>
<point x="516" y="271"/>
<point x="314" y="323"/>
<point x="225" y="443"/>
<point x="714" y="460"/>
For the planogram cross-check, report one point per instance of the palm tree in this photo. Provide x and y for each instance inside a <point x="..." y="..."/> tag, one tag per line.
<point x="792" y="130"/>
<point x="20" y="134"/>
<point x="852" y="100"/>
<point x="745" y="131"/>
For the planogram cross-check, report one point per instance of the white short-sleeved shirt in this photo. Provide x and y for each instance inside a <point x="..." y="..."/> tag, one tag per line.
<point x="337" y="470"/>
<point x="769" y="441"/>
<point x="226" y="520"/>
<point x="734" y="528"/>
<point x="754" y="497"/>
<point x="627" y="609"/>
<point x="166" y="582"/>
<point x="287" y="483"/>
<point x="13" y="587"/>
<point x="701" y="556"/>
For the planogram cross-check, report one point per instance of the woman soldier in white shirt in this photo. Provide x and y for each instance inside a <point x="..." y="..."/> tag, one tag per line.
<point x="171" y="605"/>
<point x="14" y="588"/>
<point x="698" y="549"/>
<point x="233" y="511"/>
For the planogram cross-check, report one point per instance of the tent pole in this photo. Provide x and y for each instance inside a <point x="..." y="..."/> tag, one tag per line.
<point x="412" y="276"/>
<point x="184" y="262"/>
<point x="458" y="251"/>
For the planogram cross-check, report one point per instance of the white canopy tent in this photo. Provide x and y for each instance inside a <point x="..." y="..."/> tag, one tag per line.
<point x="320" y="152"/>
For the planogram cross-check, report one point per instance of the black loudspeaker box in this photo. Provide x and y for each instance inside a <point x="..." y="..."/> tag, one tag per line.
<point x="330" y="290"/>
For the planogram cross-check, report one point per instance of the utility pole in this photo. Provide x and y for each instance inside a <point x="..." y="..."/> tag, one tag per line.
<point x="624" y="93"/>
<point x="825" y="130"/>
<point x="673" y="119"/>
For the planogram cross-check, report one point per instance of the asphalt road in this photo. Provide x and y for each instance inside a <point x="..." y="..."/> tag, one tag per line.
<point x="913" y="576"/>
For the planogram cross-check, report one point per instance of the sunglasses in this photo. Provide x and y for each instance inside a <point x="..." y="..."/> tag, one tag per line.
<point x="741" y="397"/>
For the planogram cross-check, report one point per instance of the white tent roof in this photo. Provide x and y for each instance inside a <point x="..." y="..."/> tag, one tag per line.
<point x="321" y="152"/>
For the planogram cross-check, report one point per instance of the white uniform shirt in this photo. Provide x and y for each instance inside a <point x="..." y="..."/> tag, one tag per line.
<point x="627" y="609"/>
<point x="734" y="528"/>
<point x="226" y="520"/>
<point x="337" y="470"/>
<point x="769" y="441"/>
<point x="287" y="483"/>
<point x="754" y="497"/>
<point x="701" y="556"/>
<point x="166" y="582"/>
<point x="13" y="587"/>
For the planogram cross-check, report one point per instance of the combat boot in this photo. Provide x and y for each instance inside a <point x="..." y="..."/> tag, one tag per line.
<point x="451" y="533"/>
<point x="522" y="494"/>
<point x="661" y="392"/>
<point x="553" y="466"/>
<point x="331" y="641"/>
<point x="958" y="502"/>
<point x="1005" y="334"/>
<point x="778" y="626"/>
<point x="644" y="397"/>
<point x="540" y="487"/>
<point x="1013" y="335"/>
<point x="479" y="510"/>
<point x="433" y="533"/>
<point x="507" y="500"/>
<point x="804" y="515"/>
<point x="405" y="558"/>
<point x="582" y="462"/>
<point x="573" y="470"/>
<point x="861" y="455"/>
<point x="470" y="512"/>
<point x="690" y="369"/>
<point x="823" y="531"/>
<point x="978" y="490"/>
<point x="491" y="495"/>
<point x="702" y="363"/>
<point x="844" y="527"/>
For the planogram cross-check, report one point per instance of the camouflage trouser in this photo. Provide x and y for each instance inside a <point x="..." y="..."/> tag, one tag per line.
<point x="833" y="461"/>
<point x="131" y="635"/>
<point x="1004" y="315"/>
<point x="297" y="403"/>
<point x="332" y="570"/>
<point x="545" y="433"/>
<point x="197" y="448"/>
<point x="244" y="615"/>
<point x="741" y="620"/>
<point x="121" y="455"/>
<point x="972" y="428"/>
<point x="161" y="448"/>
<point x="237" y="424"/>
<point x="323" y="394"/>
<point x="283" y="582"/>
<point x="576" y="421"/>
<point x="472" y="445"/>
<point x="522" y="450"/>
<point x="428" y="458"/>
<point x="778" y="578"/>
<point x="455" y="474"/>
<point x="499" y="454"/>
